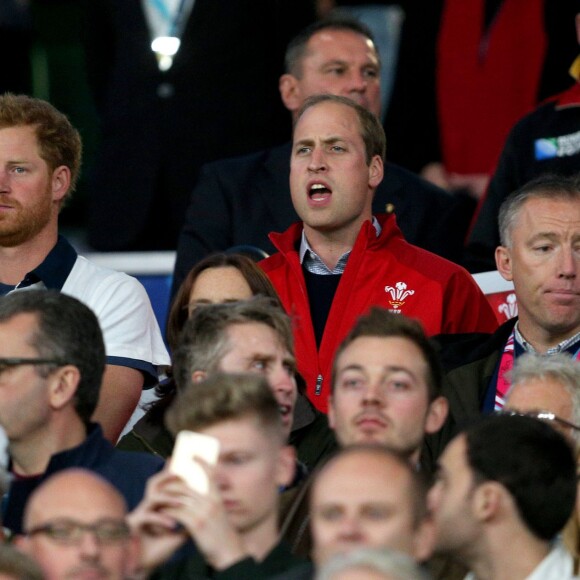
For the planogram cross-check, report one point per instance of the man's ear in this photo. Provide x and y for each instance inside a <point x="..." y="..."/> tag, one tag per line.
<point x="503" y="261"/>
<point x="286" y="468"/>
<point x="376" y="171"/>
<point x="290" y="92"/>
<point x="198" y="376"/>
<point x="63" y="385"/>
<point x="60" y="182"/>
<point x="487" y="500"/>
<point x="436" y="415"/>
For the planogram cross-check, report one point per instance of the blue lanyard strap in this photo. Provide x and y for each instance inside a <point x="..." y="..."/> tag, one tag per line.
<point x="176" y="22"/>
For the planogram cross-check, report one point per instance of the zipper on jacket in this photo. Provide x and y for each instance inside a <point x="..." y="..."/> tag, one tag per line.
<point x="318" y="385"/>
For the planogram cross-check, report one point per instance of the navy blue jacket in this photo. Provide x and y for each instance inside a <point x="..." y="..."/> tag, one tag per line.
<point x="128" y="471"/>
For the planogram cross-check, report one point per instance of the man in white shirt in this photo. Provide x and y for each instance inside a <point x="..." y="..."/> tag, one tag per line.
<point x="40" y="158"/>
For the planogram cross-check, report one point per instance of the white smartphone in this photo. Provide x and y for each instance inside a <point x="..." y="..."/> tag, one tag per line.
<point x="188" y="446"/>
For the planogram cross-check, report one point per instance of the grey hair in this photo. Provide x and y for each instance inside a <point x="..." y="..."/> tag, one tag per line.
<point x="548" y="186"/>
<point x="559" y="367"/>
<point x="393" y="565"/>
<point x="204" y="340"/>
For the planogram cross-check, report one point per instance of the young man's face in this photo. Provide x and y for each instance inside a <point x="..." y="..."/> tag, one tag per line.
<point x="381" y="395"/>
<point x="364" y="500"/>
<point x="256" y="348"/>
<point x="331" y="184"/>
<point x="336" y="62"/>
<point x="251" y="466"/>
<point x="544" y="264"/>
<point x="29" y="192"/>
<point x="451" y="501"/>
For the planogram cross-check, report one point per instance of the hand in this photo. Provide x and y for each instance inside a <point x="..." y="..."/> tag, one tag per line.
<point x="206" y="520"/>
<point x="159" y="533"/>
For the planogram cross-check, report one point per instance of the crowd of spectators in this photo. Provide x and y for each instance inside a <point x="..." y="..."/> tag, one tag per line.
<point x="334" y="401"/>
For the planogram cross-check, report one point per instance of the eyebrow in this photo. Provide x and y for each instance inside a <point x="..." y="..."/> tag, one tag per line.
<point x="328" y="140"/>
<point x="389" y="368"/>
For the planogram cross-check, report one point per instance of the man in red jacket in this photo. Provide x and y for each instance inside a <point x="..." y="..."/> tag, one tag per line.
<point x="341" y="259"/>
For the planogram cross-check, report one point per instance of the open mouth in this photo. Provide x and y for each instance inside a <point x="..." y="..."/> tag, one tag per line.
<point x="319" y="192"/>
<point x="285" y="410"/>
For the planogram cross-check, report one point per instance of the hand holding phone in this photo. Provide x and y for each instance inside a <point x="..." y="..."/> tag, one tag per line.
<point x="188" y="446"/>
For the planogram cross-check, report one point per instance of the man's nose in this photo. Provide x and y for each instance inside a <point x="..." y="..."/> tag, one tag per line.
<point x="317" y="160"/>
<point x="89" y="545"/>
<point x="568" y="263"/>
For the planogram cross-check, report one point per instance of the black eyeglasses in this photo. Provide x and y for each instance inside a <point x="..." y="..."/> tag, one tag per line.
<point x="71" y="532"/>
<point x="7" y="363"/>
<point x="542" y="415"/>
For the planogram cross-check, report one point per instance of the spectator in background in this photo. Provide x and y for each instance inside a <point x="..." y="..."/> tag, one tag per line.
<point x="218" y="278"/>
<point x="218" y="98"/>
<point x="486" y="503"/>
<point x="468" y="70"/>
<point x="40" y="158"/>
<point x="371" y="564"/>
<point x="251" y="335"/>
<point x="547" y="140"/>
<point x="387" y="393"/>
<point x="62" y="512"/>
<point x="52" y="359"/>
<point x="384" y="19"/>
<point x="549" y="389"/>
<point x="540" y="229"/>
<point x="358" y="481"/>
<point x="234" y="524"/>
<point x="241" y="200"/>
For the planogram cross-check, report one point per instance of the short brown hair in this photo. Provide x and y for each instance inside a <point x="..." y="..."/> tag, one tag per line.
<point x="59" y="143"/>
<point x="371" y="130"/>
<point x="223" y="397"/>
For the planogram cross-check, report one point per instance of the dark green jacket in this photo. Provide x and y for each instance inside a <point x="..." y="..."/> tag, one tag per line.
<point x="311" y="435"/>
<point x="469" y="363"/>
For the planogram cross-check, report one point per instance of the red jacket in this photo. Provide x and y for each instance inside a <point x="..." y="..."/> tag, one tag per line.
<point x="384" y="271"/>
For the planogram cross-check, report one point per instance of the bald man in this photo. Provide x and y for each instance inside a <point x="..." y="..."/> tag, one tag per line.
<point x="369" y="497"/>
<point x="75" y="528"/>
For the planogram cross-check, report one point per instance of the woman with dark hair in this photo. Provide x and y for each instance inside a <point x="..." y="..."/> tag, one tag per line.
<point x="216" y="279"/>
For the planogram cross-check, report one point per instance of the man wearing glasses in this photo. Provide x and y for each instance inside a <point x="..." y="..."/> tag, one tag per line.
<point x="75" y="528"/>
<point x="52" y="359"/>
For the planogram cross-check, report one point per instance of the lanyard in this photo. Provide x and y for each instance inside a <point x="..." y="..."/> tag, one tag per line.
<point x="177" y="22"/>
